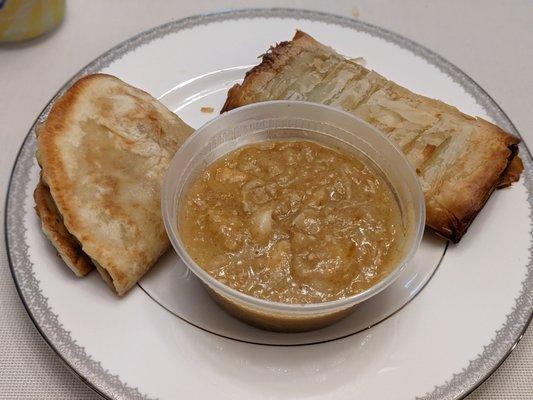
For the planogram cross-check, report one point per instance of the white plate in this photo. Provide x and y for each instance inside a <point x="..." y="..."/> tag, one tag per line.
<point x="168" y="339"/>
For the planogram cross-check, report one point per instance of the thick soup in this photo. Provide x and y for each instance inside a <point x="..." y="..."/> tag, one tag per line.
<point x="292" y="222"/>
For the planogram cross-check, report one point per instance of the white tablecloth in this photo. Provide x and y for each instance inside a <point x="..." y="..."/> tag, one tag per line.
<point x="492" y="41"/>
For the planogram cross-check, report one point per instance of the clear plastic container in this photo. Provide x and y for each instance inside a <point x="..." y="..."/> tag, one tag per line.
<point x="291" y="120"/>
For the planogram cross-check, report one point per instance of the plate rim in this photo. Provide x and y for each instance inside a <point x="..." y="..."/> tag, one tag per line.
<point x="110" y="386"/>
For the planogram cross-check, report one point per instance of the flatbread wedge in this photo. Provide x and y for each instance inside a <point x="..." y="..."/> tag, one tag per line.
<point x="459" y="159"/>
<point x="103" y="150"/>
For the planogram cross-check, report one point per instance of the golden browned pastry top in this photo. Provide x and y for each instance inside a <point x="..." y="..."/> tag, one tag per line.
<point x="459" y="159"/>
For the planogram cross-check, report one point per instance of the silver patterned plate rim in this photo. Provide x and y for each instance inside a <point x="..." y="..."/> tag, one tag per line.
<point x="110" y="386"/>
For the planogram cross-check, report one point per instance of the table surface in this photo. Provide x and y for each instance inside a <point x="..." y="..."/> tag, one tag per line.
<point x="492" y="41"/>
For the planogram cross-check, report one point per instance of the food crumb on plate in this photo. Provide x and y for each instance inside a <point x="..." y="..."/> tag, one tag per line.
<point x="359" y="60"/>
<point x="208" y="110"/>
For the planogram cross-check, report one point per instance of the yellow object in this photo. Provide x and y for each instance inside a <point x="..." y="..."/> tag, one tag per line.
<point x="26" y="19"/>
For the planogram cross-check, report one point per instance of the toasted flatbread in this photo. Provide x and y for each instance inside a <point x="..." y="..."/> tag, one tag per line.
<point x="459" y="159"/>
<point x="103" y="150"/>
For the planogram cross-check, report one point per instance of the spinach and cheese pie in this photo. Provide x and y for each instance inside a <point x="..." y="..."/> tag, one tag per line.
<point x="459" y="159"/>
